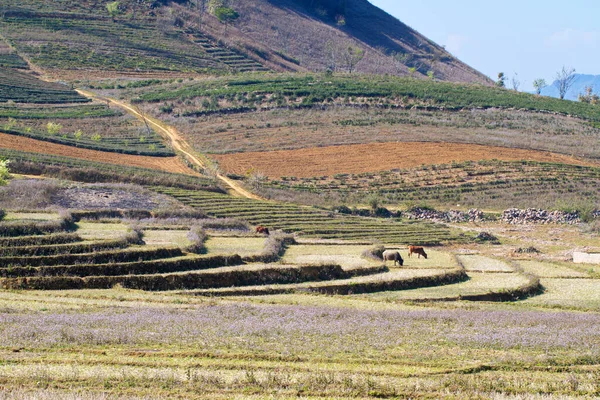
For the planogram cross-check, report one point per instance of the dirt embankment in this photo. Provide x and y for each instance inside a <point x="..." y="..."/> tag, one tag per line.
<point x="374" y="157"/>
<point x="168" y="164"/>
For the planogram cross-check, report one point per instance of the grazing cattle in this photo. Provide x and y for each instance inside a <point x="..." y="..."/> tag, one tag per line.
<point x="417" y="250"/>
<point x="389" y="255"/>
<point x="262" y="229"/>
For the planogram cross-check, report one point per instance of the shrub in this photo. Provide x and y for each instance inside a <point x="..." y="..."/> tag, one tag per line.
<point x="342" y="209"/>
<point x="226" y="14"/>
<point x="53" y="128"/>
<point x="4" y="174"/>
<point x="135" y="235"/>
<point x="2" y="214"/>
<point x="374" y="252"/>
<point x="382" y="212"/>
<point x="197" y="235"/>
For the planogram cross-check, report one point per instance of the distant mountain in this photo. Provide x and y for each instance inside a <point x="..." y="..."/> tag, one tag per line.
<point x="579" y="84"/>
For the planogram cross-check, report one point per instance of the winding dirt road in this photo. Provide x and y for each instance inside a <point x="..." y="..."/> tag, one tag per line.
<point x="177" y="141"/>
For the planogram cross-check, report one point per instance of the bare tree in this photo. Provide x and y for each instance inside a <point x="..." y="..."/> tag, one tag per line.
<point x="564" y="80"/>
<point x="401" y="61"/>
<point x="515" y="82"/>
<point x="145" y="119"/>
<point x="201" y="9"/>
<point x="539" y="85"/>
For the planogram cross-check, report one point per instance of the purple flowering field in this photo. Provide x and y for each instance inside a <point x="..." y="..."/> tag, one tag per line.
<point x="247" y="349"/>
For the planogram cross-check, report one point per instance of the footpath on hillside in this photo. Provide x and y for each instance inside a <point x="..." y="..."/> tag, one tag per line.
<point x="177" y="141"/>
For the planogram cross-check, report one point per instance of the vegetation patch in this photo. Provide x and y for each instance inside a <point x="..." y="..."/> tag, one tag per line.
<point x="311" y="222"/>
<point x="21" y="87"/>
<point x="79" y="170"/>
<point x="308" y="90"/>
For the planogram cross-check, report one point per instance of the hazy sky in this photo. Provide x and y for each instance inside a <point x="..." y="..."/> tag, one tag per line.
<point x="532" y="38"/>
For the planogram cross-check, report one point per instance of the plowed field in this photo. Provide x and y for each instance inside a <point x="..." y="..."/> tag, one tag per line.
<point x="356" y="159"/>
<point x="169" y="164"/>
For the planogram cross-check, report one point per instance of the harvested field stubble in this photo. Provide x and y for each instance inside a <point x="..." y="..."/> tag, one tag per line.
<point x="334" y="352"/>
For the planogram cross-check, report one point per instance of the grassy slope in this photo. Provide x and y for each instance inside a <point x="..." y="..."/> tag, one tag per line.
<point x="146" y="37"/>
<point x="298" y="111"/>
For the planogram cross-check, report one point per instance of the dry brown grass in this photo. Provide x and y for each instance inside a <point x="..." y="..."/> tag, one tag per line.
<point x="356" y="159"/>
<point x="168" y="164"/>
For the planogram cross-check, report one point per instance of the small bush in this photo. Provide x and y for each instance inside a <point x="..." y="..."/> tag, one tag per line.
<point x="374" y="252"/>
<point x="342" y="209"/>
<point x="135" y="235"/>
<point x="2" y="214"/>
<point x="484" y="237"/>
<point x="226" y="14"/>
<point x="53" y="128"/>
<point x="197" y="235"/>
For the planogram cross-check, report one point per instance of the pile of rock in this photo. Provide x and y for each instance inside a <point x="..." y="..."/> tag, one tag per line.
<point x="538" y="216"/>
<point x="473" y="215"/>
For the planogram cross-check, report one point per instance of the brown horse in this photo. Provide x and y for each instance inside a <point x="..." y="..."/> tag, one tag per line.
<point x="262" y="229"/>
<point x="417" y="250"/>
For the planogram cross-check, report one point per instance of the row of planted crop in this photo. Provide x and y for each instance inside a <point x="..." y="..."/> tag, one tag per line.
<point x="319" y="87"/>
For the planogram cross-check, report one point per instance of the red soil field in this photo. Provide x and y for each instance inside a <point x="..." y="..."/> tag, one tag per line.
<point x="373" y="157"/>
<point x="168" y="164"/>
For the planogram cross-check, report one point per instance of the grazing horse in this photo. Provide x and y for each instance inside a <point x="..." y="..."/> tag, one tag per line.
<point x="389" y="255"/>
<point x="262" y="229"/>
<point x="417" y="250"/>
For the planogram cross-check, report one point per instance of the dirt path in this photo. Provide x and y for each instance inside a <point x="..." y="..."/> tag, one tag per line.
<point x="375" y="157"/>
<point x="177" y="141"/>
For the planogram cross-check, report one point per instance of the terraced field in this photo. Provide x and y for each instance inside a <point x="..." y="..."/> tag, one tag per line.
<point x="493" y="183"/>
<point x="39" y="253"/>
<point x="67" y="41"/>
<point x="22" y="87"/>
<point x="94" y="127"/>
<point x="362" y="159"/>
<point x="369" y="308"/>
<point x="99" y="166"/>
<point x="312" y="222"/>
<point x="42" y="251"/>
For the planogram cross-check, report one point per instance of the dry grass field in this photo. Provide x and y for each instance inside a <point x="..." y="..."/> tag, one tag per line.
<point x="374" y="157"/>
<point x="415" y="343"/>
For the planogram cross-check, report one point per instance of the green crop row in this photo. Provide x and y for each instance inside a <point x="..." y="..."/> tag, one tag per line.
<point x="314" y="89"/>
<point x="47" y="253"/>
<point x="336" y="225"/>
<point x="123" y="146"/>
<point x="47" y="112"/>
<point x="22" y="228"/>
<point x="66" y="41"/>
<point x="12" y="60"/>
<point x="25" y="88"/>
<point x="89" y="171"/>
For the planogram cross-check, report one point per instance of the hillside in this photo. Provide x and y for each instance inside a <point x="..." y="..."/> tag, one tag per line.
<point x="326" y="139"/>
<point x="580" y="82"/>
<point x="186" y="37"/>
